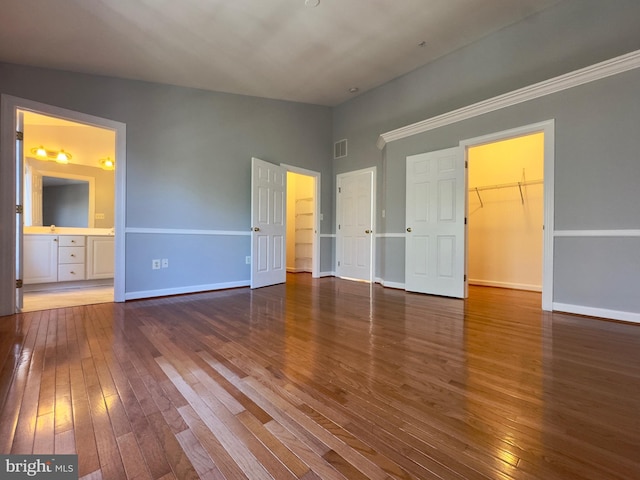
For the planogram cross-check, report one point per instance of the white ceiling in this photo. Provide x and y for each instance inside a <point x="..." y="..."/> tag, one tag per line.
<point x="278" y="49"/>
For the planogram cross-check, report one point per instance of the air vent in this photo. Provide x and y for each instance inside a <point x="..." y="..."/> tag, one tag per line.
<point x="340" y="149"/>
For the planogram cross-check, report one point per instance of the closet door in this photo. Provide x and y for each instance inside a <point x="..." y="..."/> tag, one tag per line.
<point x="435" y="211"/>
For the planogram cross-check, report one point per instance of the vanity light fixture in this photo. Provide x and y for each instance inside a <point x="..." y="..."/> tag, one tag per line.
<point x="59" y="156"/>
<point x="63" y="157"/>
<point x="107" y="163"/>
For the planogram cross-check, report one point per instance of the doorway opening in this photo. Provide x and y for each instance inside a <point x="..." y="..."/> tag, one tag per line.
<point x="510" y="209"/>
<point x="505" y="213"/>
<point x="12" y="155"/>
<point x="303" y="221"/>
<point x="68" y="213"/>
<point x="300" y="222"/>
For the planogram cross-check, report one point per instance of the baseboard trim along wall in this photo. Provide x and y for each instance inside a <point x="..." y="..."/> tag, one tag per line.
<point x="183" y="290"/>
<point x="597" y="312"/>
<point x="514" y="286"/>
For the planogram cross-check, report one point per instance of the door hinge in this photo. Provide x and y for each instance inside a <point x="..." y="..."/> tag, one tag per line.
<point x="466" y="164"/>
<point x="338" y="226"/>
<point x="338" y="262"/>
<point x="18" y="283"/>
<point x="465" y="220"/>
<point x="339" y="189"/>
<point x="19" y="136"/>
<point x="465" y="278"/>
<point x="19" y="209"/>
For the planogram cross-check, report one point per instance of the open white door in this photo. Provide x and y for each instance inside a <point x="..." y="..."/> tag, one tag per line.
<point x="354" y="237"/>
<point x="269" y="229"/>
<point x="19" y="215"/>
<point x="435" y="216"/>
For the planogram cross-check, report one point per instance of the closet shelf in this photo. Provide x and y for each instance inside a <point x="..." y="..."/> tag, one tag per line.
<point x="505" y="185"/>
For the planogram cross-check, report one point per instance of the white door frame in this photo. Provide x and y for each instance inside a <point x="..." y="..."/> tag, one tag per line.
<point x="548" y="129"/>
<point x="315" y="263"/>
<point x="372" y="171"/>
<point x="8" y="238"/>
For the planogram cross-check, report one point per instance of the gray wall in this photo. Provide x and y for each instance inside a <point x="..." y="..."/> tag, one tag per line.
<point x="189" y="165"/>
<point x="597" y="165"/>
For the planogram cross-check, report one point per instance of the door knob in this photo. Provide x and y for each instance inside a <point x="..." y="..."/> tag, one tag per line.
<point x="409" y="229"/>
<point x="256" y="229"/>
<point x="367" y="231"/>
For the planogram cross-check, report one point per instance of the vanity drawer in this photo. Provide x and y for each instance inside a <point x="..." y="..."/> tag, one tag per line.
<point x="70" y="271"/>
<point x="71" y="240"/>
<point x="70" y="255"/>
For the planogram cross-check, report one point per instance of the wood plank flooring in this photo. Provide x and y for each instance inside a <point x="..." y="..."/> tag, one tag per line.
<point x="324" y="379"/>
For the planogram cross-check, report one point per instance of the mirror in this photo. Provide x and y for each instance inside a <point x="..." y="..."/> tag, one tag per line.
<point x="65" y="201"/>
<point x="68" y="195"/>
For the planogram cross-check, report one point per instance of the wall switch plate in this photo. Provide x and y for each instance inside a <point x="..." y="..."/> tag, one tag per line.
<point x="247" y="260"/>
<point x="155" y="264"/>
<point x="165" y="263"/>
<point x="99" y="216"/>
<point x="321" y="217"/>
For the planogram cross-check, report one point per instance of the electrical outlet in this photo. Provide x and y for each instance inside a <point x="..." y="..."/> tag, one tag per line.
<point x="155" y="264"/>
<point x="321" y="217"/>
<point x="247" y="260"/>
<point x="99" y="216"/>
<point x="165" y="263"/>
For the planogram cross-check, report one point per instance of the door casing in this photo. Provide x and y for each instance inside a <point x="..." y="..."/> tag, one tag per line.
<point x="8" y="184"/>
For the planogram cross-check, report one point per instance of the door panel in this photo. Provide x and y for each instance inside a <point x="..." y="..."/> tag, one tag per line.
<point x="435" y="196"/>
<point x="268" y="214"/>
<point x="355" y="225"/>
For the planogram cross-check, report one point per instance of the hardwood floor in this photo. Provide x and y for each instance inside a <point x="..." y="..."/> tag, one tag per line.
<point x="324" y="378"/>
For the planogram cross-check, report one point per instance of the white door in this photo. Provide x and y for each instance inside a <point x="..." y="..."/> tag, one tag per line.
<point x="19" y="216"/>
<point x="435" y="216"/>
<point x="354" y="237"/>
<point x="268" y="217"/>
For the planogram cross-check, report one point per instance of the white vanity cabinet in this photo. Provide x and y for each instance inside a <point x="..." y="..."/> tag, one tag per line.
<point x="100" y="257"/>
<point x="67" y="258"/>
<point x="40" y="259"/>
<point x="71" y="258"/>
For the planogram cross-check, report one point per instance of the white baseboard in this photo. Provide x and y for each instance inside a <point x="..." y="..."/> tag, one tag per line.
<point x="182" y="290"/>
<point x="515" y="286"/>
<point x="597" y="312"/>
<point x="384" y="283"/>
<point x="327" y="274"/>
<point x="297" y="270"/>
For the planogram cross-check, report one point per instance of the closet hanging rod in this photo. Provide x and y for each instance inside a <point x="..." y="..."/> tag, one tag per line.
<point x="507" y="185"/>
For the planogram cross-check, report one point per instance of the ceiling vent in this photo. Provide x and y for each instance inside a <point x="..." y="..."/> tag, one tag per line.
<point x="340" y="149"/>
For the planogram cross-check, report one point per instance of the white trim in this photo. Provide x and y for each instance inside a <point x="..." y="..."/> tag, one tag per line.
<point x="184" y="231"/>
<point x="327" y="274"/>
<point x="315" y="255"/>
<point x="391" y="235"/>
<point x="514" y="286"/>
<point x="597" y="233"/>
<point x="327" y="235"/>
<point x="398" y="285"/>
<point x="548" y="128"/>
<point x="589" y="74"/>
<point x="182" y="290"/>
<point x="597" y="312"/>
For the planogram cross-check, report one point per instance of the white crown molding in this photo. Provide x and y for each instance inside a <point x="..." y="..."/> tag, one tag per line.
<point x="601" y="70"/>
